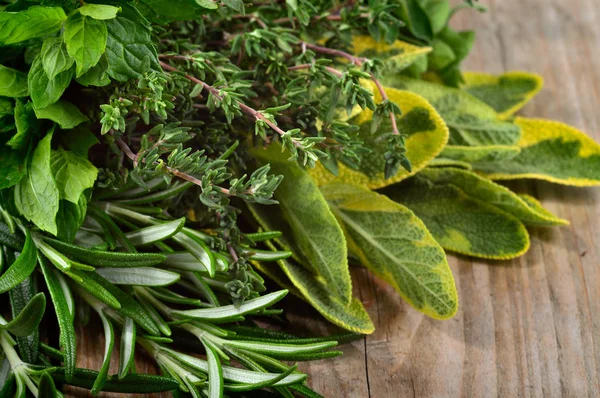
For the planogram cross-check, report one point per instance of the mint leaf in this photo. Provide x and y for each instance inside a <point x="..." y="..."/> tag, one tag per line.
<point x="97" y="75"/>
<point x="12" y="83"/>
<point x="159" y="11"/>
<point x="46" y="91"/>
<point x="70" y="217"/>
<point x="37" y="21"/>
<point x="129" y="47"/>
<point x="26" y="123"/>
<point x="62" y="112"/>
<point x="86" y="40"/>
<point x="55" y="58"/>
<point x="79" y="140"/>
<point x="14" y="165"/>
<point x="7" y="107"/>
<point x="99" y="11"/>
<point x="36" y="195"/>
<point x="237" y="5"/>
<point x="73" y="174"/>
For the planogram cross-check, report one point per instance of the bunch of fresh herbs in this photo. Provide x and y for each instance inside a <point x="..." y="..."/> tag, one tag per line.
<point x="156" y="154"/>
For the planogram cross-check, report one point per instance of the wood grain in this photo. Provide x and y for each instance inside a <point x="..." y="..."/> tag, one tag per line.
<point x="525" y="328"/>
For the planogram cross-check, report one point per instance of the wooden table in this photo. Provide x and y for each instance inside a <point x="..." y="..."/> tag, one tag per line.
<point x="525" y="328"/>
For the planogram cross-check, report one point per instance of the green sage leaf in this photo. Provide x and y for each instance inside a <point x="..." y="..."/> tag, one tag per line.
<point x="393" y="243"/>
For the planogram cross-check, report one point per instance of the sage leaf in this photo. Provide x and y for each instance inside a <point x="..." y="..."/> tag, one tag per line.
<point x="45" y="91"/>
<point x="494" y="194"/>
<point x="13" y="83"/>
<point x="36" y="21"/>
<point x="73" y="174"/>
<point x="460" y="222"/>
<point x="127" y="347"/>
<point x="139" y="276"/>
<point x="226" y="312"/>
<point x="314" y="290"/>
<point x="474" y="154"/>
<point x="99" y="11"/>
<point x="550" y="151"/>
<point x="395" y="56"/>
<point x="506" y="93"/>
<point x="394" y="244"/>
<point x="55" y="57"/>
<point x="86" y="39"/>
<point x="65" y="320"/>
<point x="22" y="267"/>
<point x="129" y="47"/>
<point x="471" y="122"/>
<point x="27" y="321"/>
<point x="427" y="136"/>
<point x="308" y="226"/>
<point x="63" y="113"/>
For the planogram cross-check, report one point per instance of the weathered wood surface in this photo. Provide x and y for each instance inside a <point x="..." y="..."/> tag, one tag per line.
<point x="525" y="328"/>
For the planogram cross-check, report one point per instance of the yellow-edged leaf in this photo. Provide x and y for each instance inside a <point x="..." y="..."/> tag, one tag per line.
<point x="506" y="93"/>
<point x="550" y="151"/>
<point x="427" y="135"/>
<point x="445" y="162"/>
<point x="536" y="206"/>
<point x="470" y="121"/>
<point x="312" y="289"/>
<point x="309" y="228"/>
<point x="491" y="193"/>
<point x="395" y="56"/>
<point x="487" y="153"/>
<point x="460" y="222"/>
<point x="394" y="244"/>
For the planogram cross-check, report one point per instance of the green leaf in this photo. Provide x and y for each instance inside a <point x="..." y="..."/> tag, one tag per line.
<point x="46" y="91"/>
<point x="127" y="347"/>
<point x="461" y="44"/>
<point x="109" y="343"/>
<point x="417" y="22"/>
<point x="309" y="229"/>
<point x="102" y="258"/>
<point x="65" y="320"/>
<point x="26" y="123"/>
<point x="393" y="243"/>
<point x="315" y="291"/>
<point x="281" y="350"/>
<point x="70" y="217"/>
<point x="139" y="276"/>
<point x="97" y="75"/>
<point x="396" y="56"/>
<point x="132" y="383"/>
<point x="36" y="21"/>
<point x="99" y="11"/>
<point x="55" y="58"/>
<point x="27" y="321"/>
<point x="506" y="93"/>
<point x="73" y="174"/>
<point x="236" y="5"/>
<point x="14" y="165"/>
<point x="493" y="194"/>
<point x="86" y="40"/>
<point x="437" y="12"/>
<point x="459" y="222"/>
<point x="7" y="107"/>
<point x="129" y="48"/>
<point x="37" y="195"/>
<point x="427" y="136"/>
<point x="474" y="154"/>
<point x="64" y="113"/>
<point x="226" y="312"/>
<point x="550" y="151"/>
<point x="441" y="56"/>
<point x="155" y="233"/>
<point x="13" y="83"/>
<point x="20" y="296"/>
<point x="471" y="122"/>
<point x="93" y="287"/>
<point x="79" y="140"/>
<point x="215" y="372"/>
<point x="159" y="11"/>
<point x="46" y="388"/>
